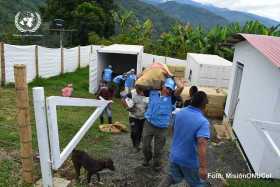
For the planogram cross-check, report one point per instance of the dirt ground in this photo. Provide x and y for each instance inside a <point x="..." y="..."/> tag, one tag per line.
<point x="129" y="172"/>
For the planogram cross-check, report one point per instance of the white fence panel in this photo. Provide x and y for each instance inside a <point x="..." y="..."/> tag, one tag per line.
<point x="160" y="59"/>
<point x="147" y="59"/>
<point x="49" y="62"/>
<point x="19" y="55"/>
<point x="174" y="61"/>
<point x="84" y="55"/>
<point x="70" y="59"/>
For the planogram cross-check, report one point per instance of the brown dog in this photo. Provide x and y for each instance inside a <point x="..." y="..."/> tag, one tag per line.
<point x="82" y="159"/>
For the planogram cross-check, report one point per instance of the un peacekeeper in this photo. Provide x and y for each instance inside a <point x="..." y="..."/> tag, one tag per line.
<point x="118" y="80"/>
<point x="107" y="74"/>
<point x="158" y="115"/>
<point x="130" y="81"/>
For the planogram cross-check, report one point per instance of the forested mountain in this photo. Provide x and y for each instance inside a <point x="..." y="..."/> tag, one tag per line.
<point x="193" y="15"/>
<point x="230" y="15"/>
<point x="162" y="22"/>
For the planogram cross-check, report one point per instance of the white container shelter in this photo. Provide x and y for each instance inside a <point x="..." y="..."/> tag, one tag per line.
<point x="121" y="57"/>
<point x="253" y="100"/>
<point x="208" y="70"/>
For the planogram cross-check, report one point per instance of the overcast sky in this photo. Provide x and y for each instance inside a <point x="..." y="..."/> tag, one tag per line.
<point x="267" y="8"/>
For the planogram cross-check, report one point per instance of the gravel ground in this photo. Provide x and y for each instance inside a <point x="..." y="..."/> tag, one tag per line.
<point x="222" y="158"/>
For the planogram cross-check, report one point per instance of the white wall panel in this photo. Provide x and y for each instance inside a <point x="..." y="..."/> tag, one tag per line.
<point x="84" y="55"/>
<point x="49" y="62"/>
<point x="70" y="59"/>
<point x="19" y="55"/>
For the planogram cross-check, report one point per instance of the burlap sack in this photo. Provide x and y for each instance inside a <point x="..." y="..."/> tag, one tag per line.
<point x="216" y="100"/>
<point x="115" y="128"/>
<point x="153" y="77"/>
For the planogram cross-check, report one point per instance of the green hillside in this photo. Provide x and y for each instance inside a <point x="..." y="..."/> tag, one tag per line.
<point x="162" y="22"/>
<point x="192" y="15"/>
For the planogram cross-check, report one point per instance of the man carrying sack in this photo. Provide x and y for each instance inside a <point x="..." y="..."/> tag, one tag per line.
<point x="158" y="114"/>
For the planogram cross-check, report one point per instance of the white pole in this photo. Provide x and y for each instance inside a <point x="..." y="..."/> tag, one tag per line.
<point x="42" y="135"/>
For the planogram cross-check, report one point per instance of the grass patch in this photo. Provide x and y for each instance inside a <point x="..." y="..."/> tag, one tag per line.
<point x="9" y="173"/>
<point x="70" y="119"/>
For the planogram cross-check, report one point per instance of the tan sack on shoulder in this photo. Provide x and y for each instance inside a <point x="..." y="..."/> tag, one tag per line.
<point x="153" y="77"/>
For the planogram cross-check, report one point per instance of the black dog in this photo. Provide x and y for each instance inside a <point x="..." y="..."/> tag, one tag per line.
<point x="82" y="159"/>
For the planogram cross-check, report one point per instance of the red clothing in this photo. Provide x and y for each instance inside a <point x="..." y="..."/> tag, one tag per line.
<point x="106" y="93"/>
<point x="67" y="91"/>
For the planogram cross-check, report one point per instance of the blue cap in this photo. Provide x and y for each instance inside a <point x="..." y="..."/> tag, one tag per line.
<point x="170" y="83"/>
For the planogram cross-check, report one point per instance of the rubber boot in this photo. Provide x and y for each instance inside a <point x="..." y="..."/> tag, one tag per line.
<point x="101" y="120"/>
<point x="110" y="121"/>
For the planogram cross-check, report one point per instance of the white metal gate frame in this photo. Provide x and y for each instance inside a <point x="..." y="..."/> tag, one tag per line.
<point x="264" y="127"/>
<point x="47" y="133"/>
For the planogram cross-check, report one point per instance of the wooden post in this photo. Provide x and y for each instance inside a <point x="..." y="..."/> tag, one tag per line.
<point x="23" y="121"/>
<point x="36" y="61"/>
<point x="62" y="60"/>
<point x="79" y="57"/>
<point x="2" y="60"/>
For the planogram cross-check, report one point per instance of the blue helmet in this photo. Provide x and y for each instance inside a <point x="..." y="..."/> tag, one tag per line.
<point x="170" y="83"/>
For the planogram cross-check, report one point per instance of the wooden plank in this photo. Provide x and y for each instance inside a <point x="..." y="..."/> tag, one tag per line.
<point x="36" y="61"/>
<point x="2" y="59"/>
<point x="23" y="121"/>
<point x="62" y="59"/>
<point x="79" y="57"/>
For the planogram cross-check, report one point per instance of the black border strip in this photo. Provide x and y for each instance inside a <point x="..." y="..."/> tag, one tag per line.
<point x="243" y="152"/>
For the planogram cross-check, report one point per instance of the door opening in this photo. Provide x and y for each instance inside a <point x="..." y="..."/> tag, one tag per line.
<point x="236" y="89"/>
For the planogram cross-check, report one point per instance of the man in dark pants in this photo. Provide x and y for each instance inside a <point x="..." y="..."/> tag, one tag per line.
<point x="158" y="114"/>
<point x="136" y="108"/>
<point x="106" y="93"/>
<point x="189" y="145"/>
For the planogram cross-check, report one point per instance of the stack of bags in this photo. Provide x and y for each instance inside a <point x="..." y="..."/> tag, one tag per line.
<point x="216" y="100"/>
<point x="177" y="70"/>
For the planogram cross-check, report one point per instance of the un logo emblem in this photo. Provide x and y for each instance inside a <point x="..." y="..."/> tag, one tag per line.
<point x="27" y="21"/>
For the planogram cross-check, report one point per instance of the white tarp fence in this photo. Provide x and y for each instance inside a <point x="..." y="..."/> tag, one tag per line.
<point x="149" y="59"/>
<point x="70" y="59"/>
<point x="19" y="55"/>
<point x="84" y="55"/>
<point x="49" y="62"/>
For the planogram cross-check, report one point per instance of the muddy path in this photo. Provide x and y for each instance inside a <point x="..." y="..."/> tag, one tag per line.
<point x="222" y="158"/>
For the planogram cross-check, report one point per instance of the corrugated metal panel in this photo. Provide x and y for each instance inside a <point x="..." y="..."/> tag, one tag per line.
<point x="269" y="46"/>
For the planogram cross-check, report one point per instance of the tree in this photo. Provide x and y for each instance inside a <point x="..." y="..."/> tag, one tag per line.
<point x="84" y="16"/>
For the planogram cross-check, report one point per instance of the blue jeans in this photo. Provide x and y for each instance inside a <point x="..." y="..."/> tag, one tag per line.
<point x="191" y="175"/>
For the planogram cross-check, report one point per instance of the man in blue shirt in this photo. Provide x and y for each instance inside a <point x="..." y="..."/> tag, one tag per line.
<point x="130" y="81"/>
<point x="188" y="150"/>
<point x="118" y="80"/>
<point x="158" y="115"/>
<point x="107" y="74"/>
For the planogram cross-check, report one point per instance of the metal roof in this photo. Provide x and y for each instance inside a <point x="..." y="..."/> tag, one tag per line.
<point x="210" y="59"/>
<point x="269" y="46"/>
<point x="120" y="48"/>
